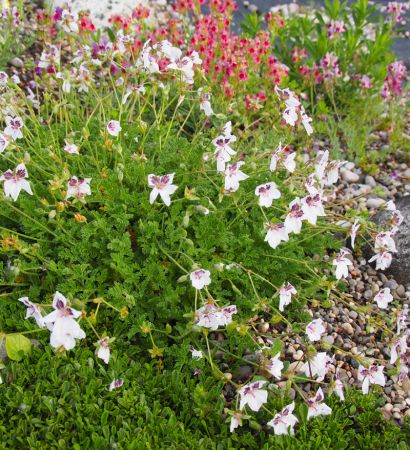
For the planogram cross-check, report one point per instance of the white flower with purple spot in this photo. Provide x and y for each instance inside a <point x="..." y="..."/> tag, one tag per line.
<point x="342" y="264"/>
<point x="315" y="330"/>
<point x="253" y="395"/>
<point x="372" y="375"/>
<point x="200" y="278"/>
<point x="15" y="182"/>
<point x="114" y="127"/>
<point x="284" y="422"/>
<point x="233" y="175"/>
<point x="267" y="193"/>
<point x="78" y="188"/>
<point x="316" y="407"/>
<point x="293" y="221"/>
<point x="13" y="127"/>
<point x="285" y="295"/>
<point x="383" y="298"/>
<point x="162" y="186"/>
<point x="276" y="234"/>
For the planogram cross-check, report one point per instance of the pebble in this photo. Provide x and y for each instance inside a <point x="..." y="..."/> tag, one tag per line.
<point x="349" y="176"/>
<point x="392" y="284"/>
<point x="347" y="328"/>
<point x="375" y="202"/>
<point x="17" y="62"/>
<point x="370" y="181"/>
<point x="401" y="291"/>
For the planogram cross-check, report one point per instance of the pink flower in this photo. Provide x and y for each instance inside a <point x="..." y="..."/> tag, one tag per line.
<point x="315" y="329"/>
<point x="16" y="181"/>
<point x="372" y="375"/>
<point x="253" y="395"/>
<point x="284" y="422"/>
<point x="162" y="186"/>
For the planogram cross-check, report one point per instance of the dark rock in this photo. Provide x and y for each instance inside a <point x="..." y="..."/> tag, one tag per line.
<point x="400" y="266"/>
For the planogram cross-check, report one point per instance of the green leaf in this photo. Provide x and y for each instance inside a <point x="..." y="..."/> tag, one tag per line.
<point x="17" y="346"/>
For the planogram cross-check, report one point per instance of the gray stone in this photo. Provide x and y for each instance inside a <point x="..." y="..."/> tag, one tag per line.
<point x="17" y="62"/>
<point x="370" y="181"/>
<point x="375" y="202"/>
<point x="349" y="176"/>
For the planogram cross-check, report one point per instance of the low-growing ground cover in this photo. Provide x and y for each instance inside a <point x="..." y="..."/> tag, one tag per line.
<point x="175" y="244"/>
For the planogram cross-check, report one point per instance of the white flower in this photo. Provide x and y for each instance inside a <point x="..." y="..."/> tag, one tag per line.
<point x="315" y="329"/>
<point x="383" y="298"/>
<point x="233" y="175"/>
<point x="372" y="375"/>
<point x="293" y="221"/>
<point x="3" y="142"/>
<point x="33" y="311"/>
<point x="205" y="103"/>
<point x="253" y="395"/>
<point x="342" y="263"/>
<point x="383" y="260"/>
<point x="276" y="234"/>
<point x="402" y="319"/>
<point x="65" y="330"/>
<point x="15" y="182"/>
<point x="284" y="422"/>
<point x="212" y="317"/>
<point x="223" y="150"/>
<point x="284" y="156"/>
<point x="396" y="220"/>
<point x="312" y="208"/>
<point x="236" y="420"/>
<point x="332" y="173"/>
<point x="285" y="295"/>
<point x="162" y="186"/>
<point x="72" y="149"/>
<point x="353" y="231"/>
<point x="321" y="164"/>
<point x="196" y="354"/>
<point x="275" y="366"/>
<point x="338" y="387"/>
<point x="385" y="242"/>
<point x="398" y="349"/>
<point x="267" y="193"/>
<point x="103" y="349"/>
<point x="78" y="188"/>
<point x="113" y="127"/>
<point x="200" y="278"/>
<point x="13" y="127"/>
<point x="319" y="366"/>
<point x="3" y="78"/>
<point x="316" y="407"/>
<point x="116" y="384"/>
<point x="306" y="122"/>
